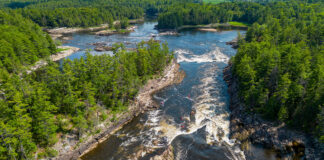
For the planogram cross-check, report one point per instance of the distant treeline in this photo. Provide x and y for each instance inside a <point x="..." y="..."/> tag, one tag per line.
<point x="83" y="13"/>
<point x="80" y="17"/>
<point x="194" y="14"/>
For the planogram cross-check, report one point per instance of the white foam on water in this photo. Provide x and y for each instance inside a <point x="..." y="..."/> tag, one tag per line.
<point x="211" y="109"/>
<point x="158" y="98"/>
<point x="153" y="118"/>
<point x="213" y="56"/>
<point x="162" y="100"/>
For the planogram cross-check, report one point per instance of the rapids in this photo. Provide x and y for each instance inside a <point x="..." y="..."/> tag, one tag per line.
<point x="193" y="116"/>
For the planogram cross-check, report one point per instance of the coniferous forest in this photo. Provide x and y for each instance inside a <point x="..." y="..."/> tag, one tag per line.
<point x="279" y="64"/>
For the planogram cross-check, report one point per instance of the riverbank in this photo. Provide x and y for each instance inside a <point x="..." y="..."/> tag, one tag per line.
<point x="102" y="29"/>
<point x="142" y="103"/>
<point x="66" y="51"/>
<point x="213" y="27"/>
<point x="108" y="32"/>
<point x="249" y="127"/>
<point x="56" y="33"/>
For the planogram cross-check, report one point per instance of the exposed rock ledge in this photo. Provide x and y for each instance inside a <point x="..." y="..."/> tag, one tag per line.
<point x="233" y="43"/>
<point x="143" y="102"/>
<point x="251" y="127"/>
<point x="68" y="50"/>
<point x="60" y="32"/>
<point x="108" y="32"/>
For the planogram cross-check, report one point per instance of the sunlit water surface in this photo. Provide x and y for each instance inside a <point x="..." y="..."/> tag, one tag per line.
<point x="194" y="115"/>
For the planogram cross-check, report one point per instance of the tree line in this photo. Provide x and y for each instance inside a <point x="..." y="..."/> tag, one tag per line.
<point x="196" y="14"/>
<point x="80" y="17"/>
<point x="76" y="13"/>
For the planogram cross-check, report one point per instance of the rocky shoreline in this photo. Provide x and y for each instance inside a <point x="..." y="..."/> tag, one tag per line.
<point x="143" y="102"/>
<point x="108" y="32"/>
<point x="251" y="128"/>
<point x="233" y="43"/>
<point x="101" y="30"/>
<point x="67" y="50"/>
<point x="60" y="32"/>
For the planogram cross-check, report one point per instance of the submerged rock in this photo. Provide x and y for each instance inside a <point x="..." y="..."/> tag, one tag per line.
<point x="233" y="43"/>
<point x="103" y="48"/>
<point x="169" y="33"/>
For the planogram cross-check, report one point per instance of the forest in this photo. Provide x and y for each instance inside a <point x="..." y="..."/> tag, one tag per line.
<point x="22" y="42"/>
<point x="176" y="16"/>
<point x="279" y="65"/>
<point x="196" y="14"/>
<point x="84" y="13"/>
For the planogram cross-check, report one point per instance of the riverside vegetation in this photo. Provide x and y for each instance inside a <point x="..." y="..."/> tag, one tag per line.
<point x="279" y="65"/>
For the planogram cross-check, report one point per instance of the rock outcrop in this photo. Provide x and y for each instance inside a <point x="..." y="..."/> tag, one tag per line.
<point x="233" y="43"/>
<point x="103" y="48"/>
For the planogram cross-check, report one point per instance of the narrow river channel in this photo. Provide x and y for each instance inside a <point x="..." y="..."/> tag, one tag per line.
<point x="194" y="115"/>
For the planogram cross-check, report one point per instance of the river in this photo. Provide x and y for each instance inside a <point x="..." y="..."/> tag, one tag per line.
<point x="194" y="115"/>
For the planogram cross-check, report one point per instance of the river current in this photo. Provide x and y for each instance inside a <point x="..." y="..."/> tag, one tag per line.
<point x="193" y="116"/>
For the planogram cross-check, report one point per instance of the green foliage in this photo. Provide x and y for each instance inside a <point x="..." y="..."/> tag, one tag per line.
<point x="47" y="153"/>
<point x="21" y="42"/>
<point x="80" y="17"/>
<point x="215" y="1"/>
<point x="85" y="13"/>
<point x="197" y="14"/>
<point x="239" y="24"/>
<point x="124" y="23"/>
<point x="280" y="67"/>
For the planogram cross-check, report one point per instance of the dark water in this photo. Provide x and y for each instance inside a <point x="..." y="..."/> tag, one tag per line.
<point x="194" y="115"/>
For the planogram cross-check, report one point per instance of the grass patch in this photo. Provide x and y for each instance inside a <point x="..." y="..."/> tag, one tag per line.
<point x="239" y="24"/>
<point x="122" y="31"/>
<point x="214" y="1"/>
<point x="61" y="49"/>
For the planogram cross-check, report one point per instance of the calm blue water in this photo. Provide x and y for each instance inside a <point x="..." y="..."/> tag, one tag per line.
<point x="194" y="115"/>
